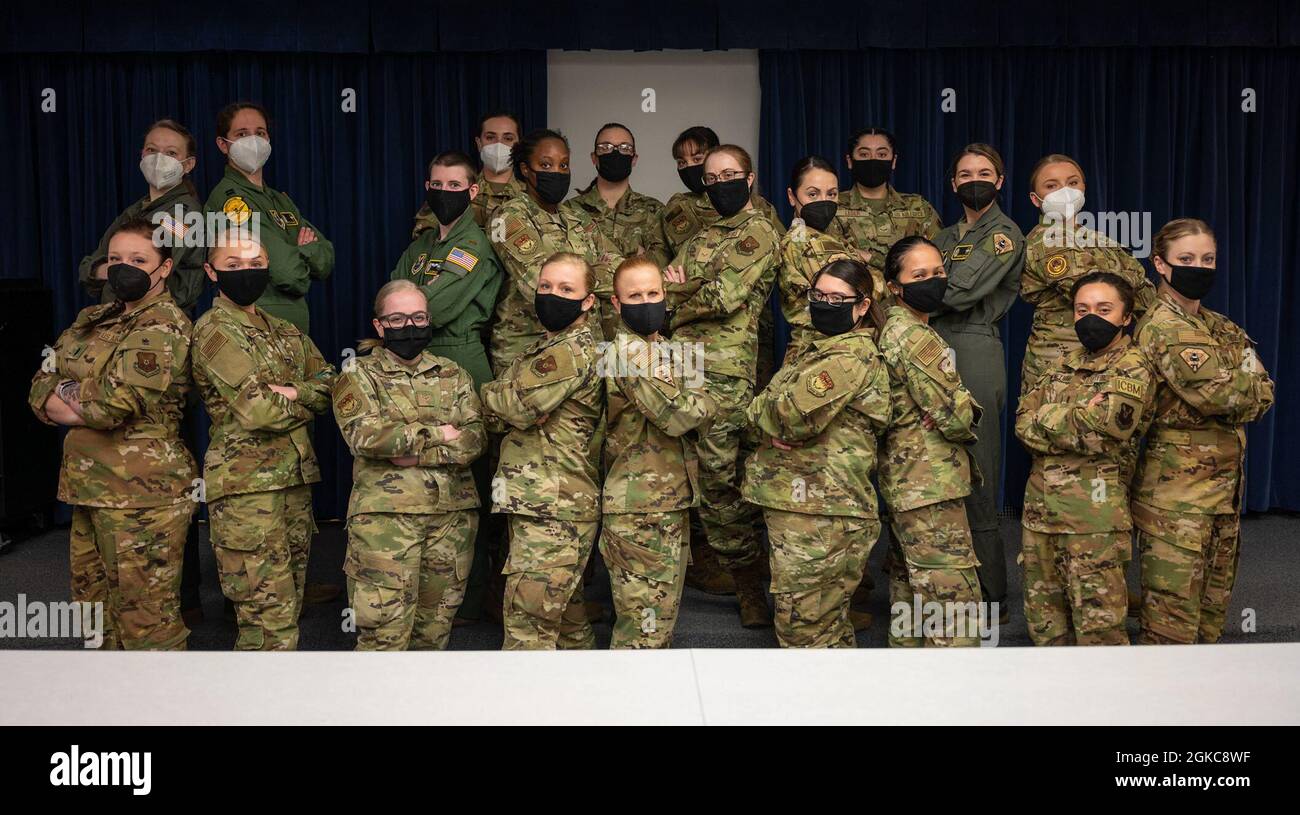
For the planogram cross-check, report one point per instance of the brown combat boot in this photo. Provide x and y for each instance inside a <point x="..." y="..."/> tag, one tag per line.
<point x="706" y="574"/>
<point x="754" y="611"/>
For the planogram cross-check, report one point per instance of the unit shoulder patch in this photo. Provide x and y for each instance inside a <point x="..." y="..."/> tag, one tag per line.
<point x="1057" y="265"/>
<point x="1002" y="244"/>
<point x="236" y="209"/>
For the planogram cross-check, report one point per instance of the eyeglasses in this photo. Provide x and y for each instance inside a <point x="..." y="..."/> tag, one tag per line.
<point x="605" y="148"/>
<point x="725" y="175"/>
<point x="398" y="320"/>
<point x="834" y="299"/>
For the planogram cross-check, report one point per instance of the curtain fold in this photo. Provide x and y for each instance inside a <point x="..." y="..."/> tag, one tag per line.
<point x="1157" y="130"/>
<point x="357" y="176"/>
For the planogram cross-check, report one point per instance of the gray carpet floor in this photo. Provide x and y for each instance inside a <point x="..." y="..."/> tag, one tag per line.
<point x="1266" y="588"/>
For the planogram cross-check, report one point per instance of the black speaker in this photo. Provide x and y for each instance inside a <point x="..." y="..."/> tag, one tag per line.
<point x="29" y="450"/>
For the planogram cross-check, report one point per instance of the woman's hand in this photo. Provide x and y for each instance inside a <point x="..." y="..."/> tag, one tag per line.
<point x="781" y="445"/>
<point x="306" y="235"/>
<point x="405" y="461"/>
<point x="674" y="274"/>
<point x="287" y="391"/>
<point x="449" y="432"/>
<point x="61" y="413"/>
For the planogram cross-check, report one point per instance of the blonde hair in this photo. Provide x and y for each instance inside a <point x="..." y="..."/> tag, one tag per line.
<point x="1180" y="228"/>
<point x="1053" y="158"/>
<point x="385" y="291"/>
<point x="588" y="273"/>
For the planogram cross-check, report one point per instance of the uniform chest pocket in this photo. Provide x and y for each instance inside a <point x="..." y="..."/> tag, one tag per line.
<point x="433" y="400"/>
<point x="964" y="274"/>
<point x="399" y="400"/>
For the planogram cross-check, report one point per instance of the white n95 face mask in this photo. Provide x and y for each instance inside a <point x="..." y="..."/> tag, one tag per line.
<point x="161" y="171"/>
<point x="1063" y="203"/>
<point x="250" y="153"/>
<point x="495" y="156"/>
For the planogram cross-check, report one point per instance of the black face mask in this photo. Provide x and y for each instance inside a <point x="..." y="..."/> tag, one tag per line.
<point x="818" y="214"/>
<point x="551" y="187"/>
<point x="977" y="194"/>
<point x="243" y="286"/>
<point x="614" y="166"/>
<point x="408" y="341"/>
<point x="872" y="172"/>
<point x="832" y="319"/>
<point x="925" y="296"/>
<point x="692" y="177"/>
<point x="556" y="313"/>
<point x="130" y="283"/>
<point x="1192" y="282"/>
<point x="447" y="205"/>
<point x="728" y="197"/>
<point x="1095" y="332"/>
<point x="644" y="318"/>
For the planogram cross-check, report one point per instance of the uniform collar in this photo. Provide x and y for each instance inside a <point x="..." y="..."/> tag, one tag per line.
<point x="234" y="176"/>
<point x="823" y="341"/>
<point x="859" y="201"/>
<point x="163" y="201"/>
<point x="103" y="314"/>
<point x="239" y="315"/>
<point x="902" y="313"/>
<point x="513" y="184"/>
<point x="738" y="220"/>
<point x="389" y="363"/>
<point x="1080" y="359"/>
<point x="457" y="231"/>
<point x="591" y="199"/>
<point x="572" y="331"/>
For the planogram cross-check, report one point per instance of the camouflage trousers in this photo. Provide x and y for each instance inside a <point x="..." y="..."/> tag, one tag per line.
<point x="1074" y="587"/>
<point x="406" y="576"/>
<point x="1189" y="566"/>
<point x="261" y="541"/>
<point x="543" y="608"/>
<point x="932" y="561"/>
<point x="130" y="560"/>
<point x="646" y="555"/>
<point x="817" y="563"/>
<point x="730" y="523"/>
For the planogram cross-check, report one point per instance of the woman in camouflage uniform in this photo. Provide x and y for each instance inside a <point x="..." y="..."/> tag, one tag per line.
<point x="807" y="247"/>
<point x="925" y="468"/>
<point x="549" y="401"/>
<point x="530" y="228"/>
<point x="117" y="379"/>
<point x="1057" y="253"/>
<point x="821" y="415"/>
<point x="1078" y="421"/>
<point x="718" y="286"/>
<point x="1188" y="492"/>
<point x="263" y="382"/>
<point x="411" y="420"/>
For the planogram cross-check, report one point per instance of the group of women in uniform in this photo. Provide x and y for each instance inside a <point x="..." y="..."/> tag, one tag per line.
<point x="626" y="385"/>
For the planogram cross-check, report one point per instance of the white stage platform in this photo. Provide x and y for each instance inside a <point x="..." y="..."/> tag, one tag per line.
<point x="1220" y="684"/>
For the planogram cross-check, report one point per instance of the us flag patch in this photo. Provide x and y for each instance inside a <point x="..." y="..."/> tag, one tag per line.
<point x="462" y="259"/>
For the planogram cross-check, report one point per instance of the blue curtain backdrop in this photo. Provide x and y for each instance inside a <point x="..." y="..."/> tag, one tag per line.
<point x="1159" y="130"/>
<point x="357" y="176"/>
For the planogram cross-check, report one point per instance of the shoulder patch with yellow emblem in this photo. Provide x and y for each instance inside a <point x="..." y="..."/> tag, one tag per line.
<point x="1057" y="265"/>
<point x="236" y="209"/>
<point x="347" y="402"/>
<point x="820" y="384"/>
<point x="1194" y="358"/>
<point x="1128" y="387"/>
<point x="1002" y="244"/>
